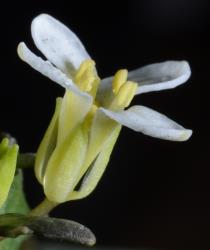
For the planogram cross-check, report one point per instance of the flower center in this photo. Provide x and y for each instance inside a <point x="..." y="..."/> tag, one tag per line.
<point x="123" y="90"/>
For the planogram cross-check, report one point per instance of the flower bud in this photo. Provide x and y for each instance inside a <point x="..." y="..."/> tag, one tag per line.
<point x="8" y="160"/>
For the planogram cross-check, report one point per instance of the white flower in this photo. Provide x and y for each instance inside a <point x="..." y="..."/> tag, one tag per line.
<point x="97" y="104"/>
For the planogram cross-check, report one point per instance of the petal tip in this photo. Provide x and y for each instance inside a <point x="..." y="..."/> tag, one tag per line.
<point x="185" y="135"/>
<point x="38" y="23"/>
<point x="40" y="17"/>
<point x="20" y="50"/>
<point x="163" y="75"/>
<point x="186" y="69"/>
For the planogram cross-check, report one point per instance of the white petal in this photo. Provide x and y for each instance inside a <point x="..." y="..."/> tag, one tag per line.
<point x="153" y="77"/>
<point x="58" y="43"/>
<point x="47" y="69"/>
<point x="150" y="122"/>
<point x="160" y="76"/>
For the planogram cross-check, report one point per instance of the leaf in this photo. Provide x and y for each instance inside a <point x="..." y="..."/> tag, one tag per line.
<point x="13" y="225"/>
<point x="8" y="159"/>
<point x="15" y="203"/>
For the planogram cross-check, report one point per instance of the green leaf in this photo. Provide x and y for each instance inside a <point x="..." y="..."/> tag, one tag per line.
<point x="12" y="244"/>
<point x="8" y="158"/>
<point x="15" y="203"/>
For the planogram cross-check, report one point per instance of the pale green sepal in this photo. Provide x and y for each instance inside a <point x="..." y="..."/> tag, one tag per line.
<point x="8" y="160"/>
<point x="48" y="144"/>
<point x="74" y="108"/>
<point x="65" y="165"/>
<point x="102" y="127"/>
<point x="96" y="171"/>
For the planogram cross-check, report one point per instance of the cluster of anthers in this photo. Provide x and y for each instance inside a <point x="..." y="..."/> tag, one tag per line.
<point x="123" y="90"/>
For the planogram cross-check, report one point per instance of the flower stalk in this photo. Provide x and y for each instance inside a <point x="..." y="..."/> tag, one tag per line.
<point x="43" y="209"/>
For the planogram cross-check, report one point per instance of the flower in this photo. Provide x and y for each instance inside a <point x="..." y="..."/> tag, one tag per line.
<point x="87" y="120"/>
<point x="8" y="159"/>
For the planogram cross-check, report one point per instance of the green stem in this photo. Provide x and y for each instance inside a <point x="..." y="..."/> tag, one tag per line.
<point x="43" y="208"/>
<point x="26" y="160"/>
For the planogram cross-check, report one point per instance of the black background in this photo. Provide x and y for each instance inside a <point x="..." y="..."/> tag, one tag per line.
<point x="154" y="193"/>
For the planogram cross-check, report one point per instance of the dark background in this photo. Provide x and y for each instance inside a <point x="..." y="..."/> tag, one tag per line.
<point x="154" y="193"/>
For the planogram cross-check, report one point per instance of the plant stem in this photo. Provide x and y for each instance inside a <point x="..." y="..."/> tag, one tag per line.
<point x="26" y="160"/>
<point x="43" y="208"/>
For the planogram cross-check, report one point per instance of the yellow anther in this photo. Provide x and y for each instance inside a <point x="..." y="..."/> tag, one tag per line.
<point x="124" y="96"/>
<point x="95" y="85"/>
<point x="86" y="77"/>
<point x="87" y="64"/>
<point x="119" y="79"/>
<point x="86" y="80"/>
<point x="126" y="93"/>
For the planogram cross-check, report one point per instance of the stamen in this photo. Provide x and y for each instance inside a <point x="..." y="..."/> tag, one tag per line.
<point x="86" y="80"/>
<point x="119" y="79"/>
<point x="87" y="64"/>
<point x="124" y="96"/>
<point x="95" y="85"/>
<point x="126" y="93"/>
<point x="86" y="76"/>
